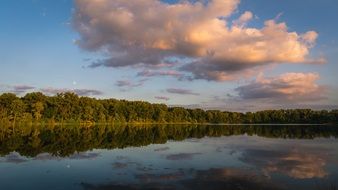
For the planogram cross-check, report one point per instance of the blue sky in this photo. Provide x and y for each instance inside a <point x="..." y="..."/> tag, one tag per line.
<point x="39" y="49"/>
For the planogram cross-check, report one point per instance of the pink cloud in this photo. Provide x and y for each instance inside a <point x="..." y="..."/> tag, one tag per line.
<point x="300" y="87"/>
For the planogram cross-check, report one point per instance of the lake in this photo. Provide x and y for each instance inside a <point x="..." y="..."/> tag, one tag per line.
<point x="169" y="157"/>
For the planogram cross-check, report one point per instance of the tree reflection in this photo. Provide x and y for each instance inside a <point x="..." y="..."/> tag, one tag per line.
<point x="65" y="140"/>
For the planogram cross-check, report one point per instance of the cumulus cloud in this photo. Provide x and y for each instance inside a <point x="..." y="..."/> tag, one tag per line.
<point x="300" y="87"/>
<point x="80" y="92"/>
<point x="149" y="32"/>
<point x="181" y="91"/>
<point x="243" y="19"/>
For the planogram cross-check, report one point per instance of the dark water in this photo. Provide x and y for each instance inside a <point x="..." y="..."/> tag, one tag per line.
<point x="169" y="157"/>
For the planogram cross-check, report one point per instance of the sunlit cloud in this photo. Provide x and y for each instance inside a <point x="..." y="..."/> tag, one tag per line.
<point x="299" y="87"/>
<point x="149" y="32"/>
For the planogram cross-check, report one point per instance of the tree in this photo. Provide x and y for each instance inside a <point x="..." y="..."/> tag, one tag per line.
<point x="37" y="109"/>
<point x="69" y="107"/>
<point x="17" y="109"/>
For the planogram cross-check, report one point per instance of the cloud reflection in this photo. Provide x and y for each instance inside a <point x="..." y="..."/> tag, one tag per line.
<point x="213" y="179"/>
<point x="295" y="163"/>
<point x="14" y="158"/>
<point x="182" y="156"/>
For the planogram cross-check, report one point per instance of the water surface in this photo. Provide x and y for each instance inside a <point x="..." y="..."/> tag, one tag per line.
<point x="169" y="157"/>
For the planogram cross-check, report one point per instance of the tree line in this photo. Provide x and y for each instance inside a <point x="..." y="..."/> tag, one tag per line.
<point x="65" y="140"/>
<point x="69" y="107"/>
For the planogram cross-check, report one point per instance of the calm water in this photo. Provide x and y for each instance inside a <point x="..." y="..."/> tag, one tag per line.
<point x="169" y="157"/>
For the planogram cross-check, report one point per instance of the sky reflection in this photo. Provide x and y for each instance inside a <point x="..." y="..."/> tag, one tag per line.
<point x="232" y="162"/>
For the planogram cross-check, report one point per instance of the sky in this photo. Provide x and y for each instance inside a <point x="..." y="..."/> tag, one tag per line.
<point x="212" y="54"/>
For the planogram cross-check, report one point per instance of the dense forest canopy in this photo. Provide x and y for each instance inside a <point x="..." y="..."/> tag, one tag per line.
<point x="69" y="107"/>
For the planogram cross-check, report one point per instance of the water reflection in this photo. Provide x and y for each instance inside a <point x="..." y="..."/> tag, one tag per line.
<point x="182" y="156"/>
<point x="295" y="163"/>
<point x="169" y="157"/>
<point x="220" y="178"/>
<point x="67" y="140"/>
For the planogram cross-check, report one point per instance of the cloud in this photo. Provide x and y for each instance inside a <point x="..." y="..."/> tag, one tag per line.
<point x="181" y="91"/>
<point x="243" y="19"/>
<point x="54" y="91"/>
<point x="128" y="84"/>
<point x="152" y="73"/>
<point x="150" y="32"/>
<point x="87" y="92"/>
<point x="17" y="89"/>
<point x="21" y="89"/>
<point x="299" y="87"/>
<point x="162" y="98"/>
<point x="80" y="92"/>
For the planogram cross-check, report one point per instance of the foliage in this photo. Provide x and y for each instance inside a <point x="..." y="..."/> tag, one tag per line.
<point x="69" y="107"/>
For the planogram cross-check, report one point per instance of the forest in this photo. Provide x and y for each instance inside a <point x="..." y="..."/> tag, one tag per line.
<point x="70" y="108"/>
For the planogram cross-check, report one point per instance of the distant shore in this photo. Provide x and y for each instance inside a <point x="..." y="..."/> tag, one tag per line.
<point x="70" y="108"/>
